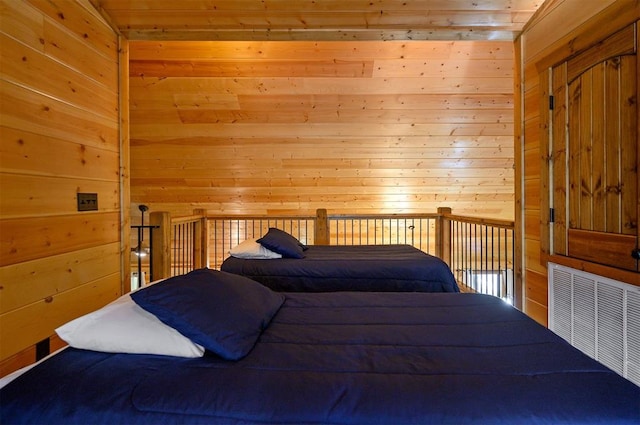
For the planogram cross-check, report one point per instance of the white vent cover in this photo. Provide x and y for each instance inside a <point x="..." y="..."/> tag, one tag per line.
<point x="597" y="315"/>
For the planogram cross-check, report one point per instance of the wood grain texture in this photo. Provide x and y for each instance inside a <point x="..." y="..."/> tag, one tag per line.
<point x="327" y="20"/>
<point x="29" y="110"/>
<point x="37" y="196"/>
<point x="435" y="117"/>
<point x="602" y="121"/>
<point x="124" y="166"/>
<point x="558" y="153"/>
<point x="603" y="248"/>
<point x="22" y="327"/>
<point x="346" y="50"/>
<point x="350" y="126"/>
<point x="559" y="30"/>
<point x="60" y="136"/>
<point x="31" y="281"/>
<point x="25" y="152"/>
<point x="31" y="238"/>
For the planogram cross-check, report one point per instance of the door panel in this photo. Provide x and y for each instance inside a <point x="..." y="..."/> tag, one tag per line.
<point x="603" y="248"/>
<point x="595" y="153"/>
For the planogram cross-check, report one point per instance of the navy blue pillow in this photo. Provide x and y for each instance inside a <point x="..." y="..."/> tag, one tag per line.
<point x="283" y="243"/>
<point x="223" y="312"/>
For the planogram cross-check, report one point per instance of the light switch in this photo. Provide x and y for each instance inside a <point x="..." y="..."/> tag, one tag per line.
<point x="87" y="201"/>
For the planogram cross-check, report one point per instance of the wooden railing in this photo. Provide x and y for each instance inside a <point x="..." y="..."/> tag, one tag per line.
<point x="479" y="251"/>
<point x="418" y="230"/>
<point x="180" y="245"/>
<point x="225" y="232"/>
<point x="481" y="254"/>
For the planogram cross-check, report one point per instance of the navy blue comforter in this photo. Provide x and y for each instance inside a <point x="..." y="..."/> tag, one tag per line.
<point x="379" y="268"/>
<point x="344" y="358"/>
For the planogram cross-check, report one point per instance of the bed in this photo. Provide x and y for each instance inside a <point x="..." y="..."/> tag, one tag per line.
<point x="282" y="263"/>
<point x="263" y="357"/>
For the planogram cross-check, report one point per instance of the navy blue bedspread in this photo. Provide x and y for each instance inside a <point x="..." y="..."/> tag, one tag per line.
<point x="379" y="268"/>
<point x="344" y="358"/>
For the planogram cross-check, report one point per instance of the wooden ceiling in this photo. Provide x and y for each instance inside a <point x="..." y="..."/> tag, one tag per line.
<point x="329" y="20"/>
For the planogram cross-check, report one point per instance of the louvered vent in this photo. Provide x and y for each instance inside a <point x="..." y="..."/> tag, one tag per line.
<point x="597" y="315"/>
<point x="633" y="336"/>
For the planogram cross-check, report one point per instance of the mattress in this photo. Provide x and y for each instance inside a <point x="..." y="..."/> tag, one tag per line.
<point x="343" y="358"/>
<point x="390" y="268"/>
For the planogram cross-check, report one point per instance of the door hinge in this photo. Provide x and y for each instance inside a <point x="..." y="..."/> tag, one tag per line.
<point x="552" y="215"/>
<point x="551" y="103"/>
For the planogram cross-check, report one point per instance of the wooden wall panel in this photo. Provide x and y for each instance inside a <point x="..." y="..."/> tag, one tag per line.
<point x="274" y="20"/>
<point x="24" y="66"/>
<point x="59" y="135"/>
<point x="254" y="50"/>
<point x="25" y="109"/>
<point x="30" y="281"/>
<point x="45" y="195"/>
<point x="79" y="19"/>
<point x="20" y="328"/>
<point x="289" y="127"/>
<point x="30" y="153"/>
<point x="559" y="29"/>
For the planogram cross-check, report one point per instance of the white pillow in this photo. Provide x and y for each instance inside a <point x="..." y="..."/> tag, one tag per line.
<point x="250" y="249"/>
<point x="124" y="327"/>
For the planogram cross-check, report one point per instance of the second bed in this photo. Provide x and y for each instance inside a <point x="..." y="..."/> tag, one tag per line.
<point x="380" y="268"/>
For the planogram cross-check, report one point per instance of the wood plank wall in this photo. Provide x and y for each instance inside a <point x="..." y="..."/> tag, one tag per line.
<point x="287" y="127"/>
<point x="560" y="28"/>
<point x="59" y="136"/>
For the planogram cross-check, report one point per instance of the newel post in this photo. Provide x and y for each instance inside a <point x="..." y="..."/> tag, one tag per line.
<point x="443" y="235"/>
<point x="322" y="227"/>
<point x="161" y="249"/>
<point x="201" y="239"/>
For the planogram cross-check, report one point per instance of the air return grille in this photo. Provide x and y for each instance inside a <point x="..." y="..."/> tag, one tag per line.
<point x="599" y="316"/>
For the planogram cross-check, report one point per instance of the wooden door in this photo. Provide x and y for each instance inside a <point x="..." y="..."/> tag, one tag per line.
<point x="594" y="154"/>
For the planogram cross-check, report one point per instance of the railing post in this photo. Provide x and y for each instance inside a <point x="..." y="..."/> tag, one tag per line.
<point x="322" y="227"/>
<point x="443" y="235"/>
<point x="201" y="240"/>
<point x="161" y="249"/>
